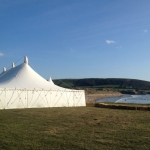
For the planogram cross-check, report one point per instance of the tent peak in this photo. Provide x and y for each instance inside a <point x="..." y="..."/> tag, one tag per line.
<point x="4" y="69"/>
<point x="25" y="59"/>
<point x="13" y="65"/>
<point x="50" y="80"/>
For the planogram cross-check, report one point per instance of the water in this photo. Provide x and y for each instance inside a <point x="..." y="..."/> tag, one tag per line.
<point x="136" y="99"/>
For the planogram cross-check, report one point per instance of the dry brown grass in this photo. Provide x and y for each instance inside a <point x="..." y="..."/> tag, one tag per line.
<point x="74" y="128"/>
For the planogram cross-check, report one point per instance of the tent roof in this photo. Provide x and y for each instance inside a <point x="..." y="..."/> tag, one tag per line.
<point x="23" y="76"/>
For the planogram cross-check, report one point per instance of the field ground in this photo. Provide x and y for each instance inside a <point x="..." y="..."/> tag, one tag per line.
<point x="76" y="128"/>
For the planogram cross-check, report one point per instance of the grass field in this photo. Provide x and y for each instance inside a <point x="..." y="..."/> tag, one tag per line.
<point x="82" y="128"/>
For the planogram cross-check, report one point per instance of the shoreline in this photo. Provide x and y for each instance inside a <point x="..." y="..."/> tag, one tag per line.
<point x="94" y="97"/>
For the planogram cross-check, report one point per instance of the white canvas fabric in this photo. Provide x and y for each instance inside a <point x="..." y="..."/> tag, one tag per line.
<point x="22" y="87"/>
<point x="23" y="76"/>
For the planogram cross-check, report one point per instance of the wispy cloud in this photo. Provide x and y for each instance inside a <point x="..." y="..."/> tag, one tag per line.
<point x="72" y="50"/>
<point x="119" y="47"/>
<point x="145" y="31"/>
<point x="1" y="54"/>
<point x="110" y="42"/>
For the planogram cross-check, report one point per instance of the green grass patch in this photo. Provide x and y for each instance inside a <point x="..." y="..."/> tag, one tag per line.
<point x="82" y="128"/>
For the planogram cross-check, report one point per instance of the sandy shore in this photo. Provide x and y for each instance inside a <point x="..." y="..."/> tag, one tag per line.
<point x="94" y="97"/>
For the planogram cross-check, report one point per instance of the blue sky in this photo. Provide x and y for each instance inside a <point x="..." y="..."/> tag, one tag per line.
<point x="77" y="38"/>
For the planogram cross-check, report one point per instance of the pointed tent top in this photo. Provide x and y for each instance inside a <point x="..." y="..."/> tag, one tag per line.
<point x="50" y="80"/>
<point x="23" y="76"/>
<point x="25" y="59"/>
<point x="13" y="65"/>
<point x="4" y="69"/>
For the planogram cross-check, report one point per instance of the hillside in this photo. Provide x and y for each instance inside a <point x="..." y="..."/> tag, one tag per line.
<point x="104" y="83"/>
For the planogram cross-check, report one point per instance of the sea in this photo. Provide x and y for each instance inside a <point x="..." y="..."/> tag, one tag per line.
<point x="134" y="99"/>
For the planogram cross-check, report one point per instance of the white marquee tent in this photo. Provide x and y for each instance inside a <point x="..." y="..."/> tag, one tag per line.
<point x="22" y="87"/>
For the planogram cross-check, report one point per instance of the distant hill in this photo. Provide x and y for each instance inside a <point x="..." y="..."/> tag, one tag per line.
<point x="104" y="82"/>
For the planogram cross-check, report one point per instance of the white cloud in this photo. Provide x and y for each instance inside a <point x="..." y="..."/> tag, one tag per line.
<point x="110" y="42"/>
<point x="72" y="50"/>
<point x="1" y="54"/>
<point x="145" y="31"/>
